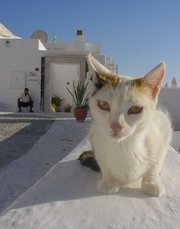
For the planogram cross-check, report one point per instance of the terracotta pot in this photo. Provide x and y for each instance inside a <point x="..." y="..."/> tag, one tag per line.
<point x="80" y="113"/>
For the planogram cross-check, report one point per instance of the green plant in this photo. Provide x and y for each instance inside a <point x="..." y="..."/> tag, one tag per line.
<point x="56" y="101"/>
<point x="79" y="94"/>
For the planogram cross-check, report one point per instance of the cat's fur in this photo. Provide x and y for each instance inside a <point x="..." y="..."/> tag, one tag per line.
<point x="128" y="146"/>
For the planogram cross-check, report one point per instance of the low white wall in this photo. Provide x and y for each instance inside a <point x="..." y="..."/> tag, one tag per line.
<point x="18" y="60"/>
<point x="169" y="99"/>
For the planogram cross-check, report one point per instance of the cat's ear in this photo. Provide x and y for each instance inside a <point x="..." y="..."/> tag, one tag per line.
<point x="102" y="75"/>
<point x="153" y="79"/>
<point x="97" y="66"/>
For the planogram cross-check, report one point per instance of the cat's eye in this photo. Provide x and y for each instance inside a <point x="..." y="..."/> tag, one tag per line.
<point x="103" y="105"/>
<point x="135" y="110"/>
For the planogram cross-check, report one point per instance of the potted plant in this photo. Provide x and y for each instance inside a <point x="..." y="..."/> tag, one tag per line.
<point x="55" y="103"/>
<point x="80" y="98"/>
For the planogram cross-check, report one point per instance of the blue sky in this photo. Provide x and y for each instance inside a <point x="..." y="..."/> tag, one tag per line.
<point x="137" y="34"/>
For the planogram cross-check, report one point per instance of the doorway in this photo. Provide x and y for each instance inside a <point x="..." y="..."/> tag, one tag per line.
<point x="63" y="76"/>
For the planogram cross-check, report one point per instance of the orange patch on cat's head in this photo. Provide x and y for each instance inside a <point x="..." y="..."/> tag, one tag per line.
<point x="109" y="80"/>
<point x="138" y="84"/>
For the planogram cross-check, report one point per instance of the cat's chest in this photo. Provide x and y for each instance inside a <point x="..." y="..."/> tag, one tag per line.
<point x="124" y="158"/>
<point x="124" y="148"/>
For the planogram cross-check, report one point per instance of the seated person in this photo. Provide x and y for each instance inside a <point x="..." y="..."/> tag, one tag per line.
<point x="25" y="100"/>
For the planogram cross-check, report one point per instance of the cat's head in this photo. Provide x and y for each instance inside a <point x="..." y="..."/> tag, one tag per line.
<point x="123" y="105"/>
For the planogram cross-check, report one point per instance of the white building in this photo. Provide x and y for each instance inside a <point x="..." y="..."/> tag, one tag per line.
<point x="20" y="67"/>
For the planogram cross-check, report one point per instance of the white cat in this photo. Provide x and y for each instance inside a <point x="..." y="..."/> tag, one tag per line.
<point x="129" y="135"/>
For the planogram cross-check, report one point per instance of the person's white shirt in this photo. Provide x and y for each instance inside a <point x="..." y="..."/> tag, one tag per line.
<point x="24" y="98"/>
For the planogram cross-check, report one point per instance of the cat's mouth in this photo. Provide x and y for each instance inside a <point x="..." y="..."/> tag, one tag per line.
<point x="120" y="135"/>
<point x="117" y="136"/>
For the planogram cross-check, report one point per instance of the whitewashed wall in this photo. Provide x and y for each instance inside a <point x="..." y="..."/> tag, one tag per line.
<point x="169" y="98"/>
<point x="18" y="61"/>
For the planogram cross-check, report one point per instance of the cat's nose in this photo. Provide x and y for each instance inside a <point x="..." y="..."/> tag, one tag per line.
<point x="115" y="126"/>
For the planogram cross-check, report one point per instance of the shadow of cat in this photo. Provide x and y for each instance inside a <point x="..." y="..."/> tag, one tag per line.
<point x="69" y="181"/>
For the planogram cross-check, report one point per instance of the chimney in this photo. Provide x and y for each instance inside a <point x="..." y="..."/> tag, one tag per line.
<point x="79" y="35"/>
<point x="79" y="32"/>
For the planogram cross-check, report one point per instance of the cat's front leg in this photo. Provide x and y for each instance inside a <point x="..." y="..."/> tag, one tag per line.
<point x="106" y="184"/>
<point x="152" y="185"/>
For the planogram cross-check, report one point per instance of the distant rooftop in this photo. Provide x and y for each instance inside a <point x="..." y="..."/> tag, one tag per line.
<point x="5" y="33"/>
<point x="79" y="46"/>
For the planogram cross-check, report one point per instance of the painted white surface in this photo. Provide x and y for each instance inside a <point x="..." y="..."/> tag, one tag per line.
<point x="18" y="61"/>
<point x="66" y="196"/>
<point x="63" y="75"/>
<point x="169" y="98"/>
<point x="175" y="142"/>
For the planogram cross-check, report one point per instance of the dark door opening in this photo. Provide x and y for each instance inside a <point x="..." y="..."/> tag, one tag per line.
<point x="42" y="83"/>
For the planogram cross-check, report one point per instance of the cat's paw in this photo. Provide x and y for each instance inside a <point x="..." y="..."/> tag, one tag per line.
<point x="107" y="187"/>
<point x="152" y="188"/>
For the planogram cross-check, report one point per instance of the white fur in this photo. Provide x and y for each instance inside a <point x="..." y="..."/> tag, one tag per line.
<point x="142" y="143"/>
